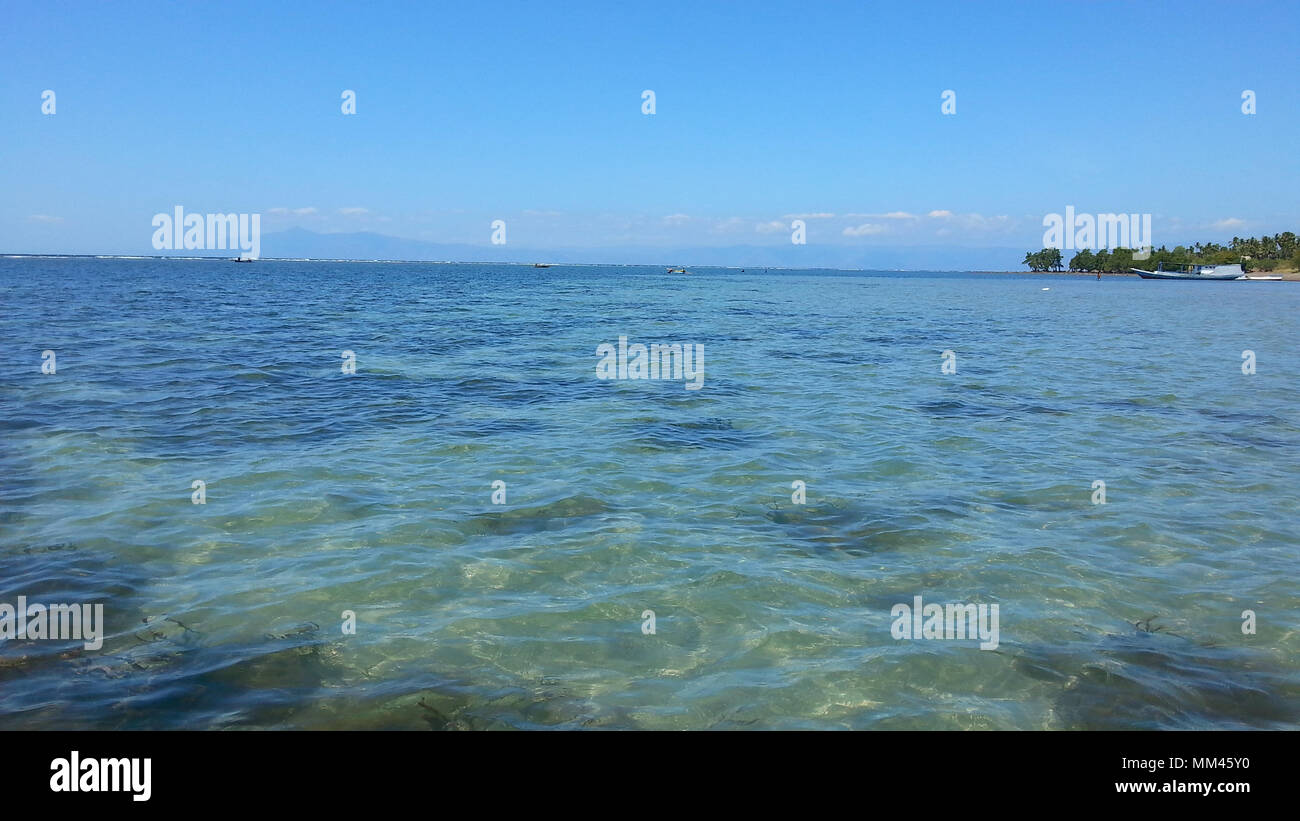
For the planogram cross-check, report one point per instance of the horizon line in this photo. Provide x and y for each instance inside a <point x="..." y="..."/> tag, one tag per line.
<point x="214" y="258"/>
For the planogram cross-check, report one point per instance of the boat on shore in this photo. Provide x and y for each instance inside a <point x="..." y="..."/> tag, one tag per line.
<point x="1206" y="272"/>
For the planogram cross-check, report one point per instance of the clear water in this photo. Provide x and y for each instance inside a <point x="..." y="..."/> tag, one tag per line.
<point x="373" y="493"/>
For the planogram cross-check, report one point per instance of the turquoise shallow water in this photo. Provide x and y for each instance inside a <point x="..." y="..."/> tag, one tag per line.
<point x="372" y="493"/>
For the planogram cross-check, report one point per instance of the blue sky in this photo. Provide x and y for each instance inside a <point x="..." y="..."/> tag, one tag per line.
<point x="531" y="113"/>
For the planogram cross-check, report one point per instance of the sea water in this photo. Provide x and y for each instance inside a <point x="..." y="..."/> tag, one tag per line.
<point x="475" y="529"/>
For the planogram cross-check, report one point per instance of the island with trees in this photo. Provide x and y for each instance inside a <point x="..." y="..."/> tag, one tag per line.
<point x="1276" y="253"/>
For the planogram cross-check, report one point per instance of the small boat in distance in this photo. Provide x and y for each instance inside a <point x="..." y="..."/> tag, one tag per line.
<point x="678" y="271"/>
<point x="242" y="258"/>
<point x="1207" y="272"/>
<point x="541" y="265"/>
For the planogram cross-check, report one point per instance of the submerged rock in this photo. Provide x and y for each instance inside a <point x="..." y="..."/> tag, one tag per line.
<point x="1150" y="678"/>
<point x="552" y="516"/>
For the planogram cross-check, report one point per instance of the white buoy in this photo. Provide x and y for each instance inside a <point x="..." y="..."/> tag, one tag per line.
<point x="1047" y="289"/>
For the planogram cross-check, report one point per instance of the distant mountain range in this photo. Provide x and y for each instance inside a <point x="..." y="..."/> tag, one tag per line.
<point x="301" y="243"/>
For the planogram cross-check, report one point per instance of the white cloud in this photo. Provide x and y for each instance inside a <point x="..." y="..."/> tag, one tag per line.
<point x="676" y="219"/>
<point x="729" y="226"/>
<point x="981" y="221"/>
<point x="771" y="227"/>
<point x="44" y="218"/>
<point x="299" y="212"/>
<point x="1225" y="224"/>
<point x="528" y="212"/>
<point x="864" y="230"/>
<point x="822" y="215"/>
<point x="354" y="212"/>
<point x="976" y="223"/>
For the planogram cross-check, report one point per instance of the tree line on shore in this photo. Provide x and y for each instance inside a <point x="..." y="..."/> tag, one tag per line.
<point x="1263" y="254"/>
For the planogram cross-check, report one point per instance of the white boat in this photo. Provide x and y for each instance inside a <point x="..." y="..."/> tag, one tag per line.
<point x="1207" y="272"/>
